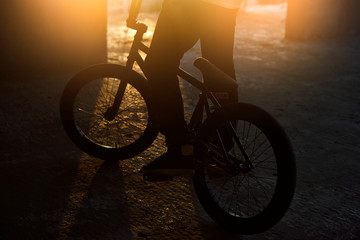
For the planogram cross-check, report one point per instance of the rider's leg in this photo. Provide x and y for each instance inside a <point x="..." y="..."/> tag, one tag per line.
<point x="180" y="25"/>
<point x="174" y="35"/>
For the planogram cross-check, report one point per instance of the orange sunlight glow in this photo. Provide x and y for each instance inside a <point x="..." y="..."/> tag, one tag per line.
<point x="65" y="30"/>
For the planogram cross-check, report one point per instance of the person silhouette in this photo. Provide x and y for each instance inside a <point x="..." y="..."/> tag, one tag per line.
<point x="180" y="25"/>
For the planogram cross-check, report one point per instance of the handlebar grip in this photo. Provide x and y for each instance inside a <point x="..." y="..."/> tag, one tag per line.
<point x="131" y="23"/>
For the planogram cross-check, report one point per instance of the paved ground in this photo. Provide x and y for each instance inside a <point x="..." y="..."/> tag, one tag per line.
<point x="51" y="190"/>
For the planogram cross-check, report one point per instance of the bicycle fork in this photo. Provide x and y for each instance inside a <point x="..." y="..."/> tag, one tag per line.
<point x="133" y="57"/>
<point x="112" y="111"/>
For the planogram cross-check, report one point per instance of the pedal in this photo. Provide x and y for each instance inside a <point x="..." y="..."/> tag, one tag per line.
<point x="157" y="178"/>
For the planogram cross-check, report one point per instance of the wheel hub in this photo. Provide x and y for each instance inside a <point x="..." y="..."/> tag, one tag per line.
<point x="110" y="114"/>
<point x="246" y="167"/>
<point x="237" y="168"/>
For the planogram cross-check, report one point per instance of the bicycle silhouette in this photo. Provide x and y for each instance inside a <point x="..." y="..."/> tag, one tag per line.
<point x="245" y="168"/>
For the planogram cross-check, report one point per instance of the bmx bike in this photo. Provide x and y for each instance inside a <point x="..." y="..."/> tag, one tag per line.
<point x="245" y="168"/>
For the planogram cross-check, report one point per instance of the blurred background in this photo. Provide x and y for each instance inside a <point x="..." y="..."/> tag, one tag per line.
<point x="45" y="36"/>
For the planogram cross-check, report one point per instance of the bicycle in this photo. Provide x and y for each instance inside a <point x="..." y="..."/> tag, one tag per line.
<point x="245" y="168"/>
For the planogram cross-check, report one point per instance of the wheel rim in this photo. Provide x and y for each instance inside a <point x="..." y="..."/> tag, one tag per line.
<point x="245" y="194"/>
<point x="92" y="102"/>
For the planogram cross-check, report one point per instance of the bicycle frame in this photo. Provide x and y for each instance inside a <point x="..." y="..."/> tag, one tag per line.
<point x="197" y="116"/>
<point x="134" y="56"/>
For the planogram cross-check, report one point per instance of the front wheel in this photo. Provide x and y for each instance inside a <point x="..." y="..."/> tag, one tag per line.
<point x="246" y="173"/>
<point x="93" y="123"/>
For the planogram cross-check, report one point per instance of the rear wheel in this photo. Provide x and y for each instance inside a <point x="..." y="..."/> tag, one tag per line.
<point x="249" y="190"/>
<point x="97" y="128"/>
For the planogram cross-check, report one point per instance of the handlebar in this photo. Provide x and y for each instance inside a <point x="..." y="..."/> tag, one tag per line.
<point x="131" y="21"/>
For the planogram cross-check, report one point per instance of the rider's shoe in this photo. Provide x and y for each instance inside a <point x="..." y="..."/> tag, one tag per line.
<point x="175" y="162"/>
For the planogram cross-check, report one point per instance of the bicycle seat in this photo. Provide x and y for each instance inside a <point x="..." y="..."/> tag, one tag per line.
<point x="213" y="77"/>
